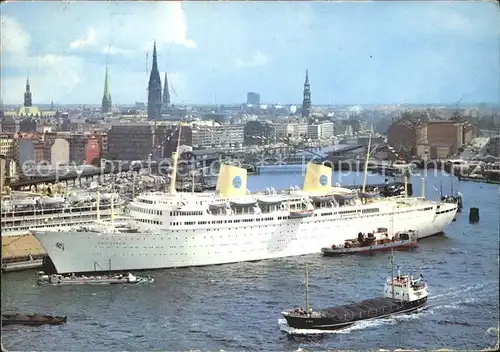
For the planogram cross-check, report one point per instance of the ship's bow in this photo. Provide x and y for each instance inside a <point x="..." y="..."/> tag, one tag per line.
<point x="64" y="249"/>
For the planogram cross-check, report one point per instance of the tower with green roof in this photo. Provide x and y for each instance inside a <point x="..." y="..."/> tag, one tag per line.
<point x="106" y="97"/>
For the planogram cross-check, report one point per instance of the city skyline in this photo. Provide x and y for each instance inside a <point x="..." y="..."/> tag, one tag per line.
<point x="368" y="53"/>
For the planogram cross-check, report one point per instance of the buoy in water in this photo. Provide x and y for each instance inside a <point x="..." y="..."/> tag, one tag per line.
<point x="474" y="215"/>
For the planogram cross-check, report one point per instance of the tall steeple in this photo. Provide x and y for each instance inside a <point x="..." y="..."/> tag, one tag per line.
<point x="154" y="90"/>
<point x="106" y="97"/>
<point x="166" y="94"/>
<point x="27" y="93"/>
<point x="306" y="102"/>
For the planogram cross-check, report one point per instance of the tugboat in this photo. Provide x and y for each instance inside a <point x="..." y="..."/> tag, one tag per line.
<point x="374" y="242"/>
<point x="57" y="279"/>
<point x="402" y="294"/>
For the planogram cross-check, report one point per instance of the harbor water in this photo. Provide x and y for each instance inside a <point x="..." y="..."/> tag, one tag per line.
<point x="237" y="307"/>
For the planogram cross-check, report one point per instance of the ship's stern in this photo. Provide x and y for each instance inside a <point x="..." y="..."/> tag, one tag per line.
<point x="300" y="320"/>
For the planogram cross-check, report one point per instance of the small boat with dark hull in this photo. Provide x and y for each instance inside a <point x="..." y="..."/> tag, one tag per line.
<point x="402" y="294"/>
<point x="378" y="241"/>
<point x="32" y="320"/>
<point x="58" y="279"/>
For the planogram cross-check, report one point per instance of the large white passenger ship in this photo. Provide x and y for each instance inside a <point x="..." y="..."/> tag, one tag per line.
<point x="232" y="225"/>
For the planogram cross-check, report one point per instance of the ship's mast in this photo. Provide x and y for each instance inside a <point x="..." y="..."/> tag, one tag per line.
<point x="133" y="187"/>
<point x="423" y="188"/>
<point x="112" y="209"/>
<point x="406" y="186"/>
<point x="306" y="283"/>
<point x="365" y="171"/>
<point x="175" y="157"/>
<point x="192" y="181"/>
<point x="392" y="273"/>
<point x="98" y="205"/>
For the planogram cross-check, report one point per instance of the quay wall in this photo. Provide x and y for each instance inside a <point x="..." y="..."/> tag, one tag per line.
<point x="21" y="246"/>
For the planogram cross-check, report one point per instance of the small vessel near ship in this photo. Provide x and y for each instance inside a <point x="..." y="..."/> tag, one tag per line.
<point x="372" y="242"/>
<point x="57" y="279"/>
<point x="402" y="294"/>
<point x="32" y="320"/>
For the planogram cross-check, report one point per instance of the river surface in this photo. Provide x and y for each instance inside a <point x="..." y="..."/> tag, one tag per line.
<point x="237" y="307"/>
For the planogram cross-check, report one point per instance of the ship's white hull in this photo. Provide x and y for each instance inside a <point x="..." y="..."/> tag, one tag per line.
<point x="227" y="243"/>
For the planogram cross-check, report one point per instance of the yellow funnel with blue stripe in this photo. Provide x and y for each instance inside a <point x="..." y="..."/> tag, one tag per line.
<point x="318" y="178"/>
<point x="232" y="181"/>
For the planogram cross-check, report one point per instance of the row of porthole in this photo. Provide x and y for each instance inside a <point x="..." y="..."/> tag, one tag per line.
<point x="182" y="247"/>
<point x="194" y="238"/>
<point x="194" y="254"/>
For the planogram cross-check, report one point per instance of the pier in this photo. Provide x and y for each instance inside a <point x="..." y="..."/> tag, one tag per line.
<point x="21" y="252"/>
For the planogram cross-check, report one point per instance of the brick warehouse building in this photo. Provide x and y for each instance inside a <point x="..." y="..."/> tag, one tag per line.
<point x="436" y="139"/>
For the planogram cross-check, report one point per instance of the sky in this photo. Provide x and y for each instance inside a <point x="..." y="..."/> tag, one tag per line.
<point x="356" y="52"/>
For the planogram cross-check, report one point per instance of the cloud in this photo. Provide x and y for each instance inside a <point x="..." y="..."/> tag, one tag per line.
<point x="166" y="24"/>
<point x="14" y="39"/>
<point x="89" y="39"/>
<point x="116" y="29"/>
<point x="259" y="59"/>
<point x="215" y="43"/>
<point x="113" y="50"/>
<point x="52" y="76"/>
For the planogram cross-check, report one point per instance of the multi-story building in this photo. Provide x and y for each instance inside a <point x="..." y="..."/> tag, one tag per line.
<point x="77" y="143"/>
<point x="27" y="124"/>
<point x="314" y="131"/>
<point x="258" y="133"/>
<point x="9" y="148"/>
<point x="9" y="125"/>
<point x="437" y="139"/>
<point x="320" y="131"/>
<point x="167" y="137"/>
<point x="93" y="151"/>
<point x="3" y="172"/>
<point x="43" y="150"/>
<point x="493" y="147"/>
<point x="218" y="136"/>
<point x="327" y="130"/>
<point x="60" y="152"/>
<point x="130" y="141"/>
<point x="280" y="131"/>
<point x="26" y="152"/>
<point x="253" y="98"/>
<point x="297" y="130"/>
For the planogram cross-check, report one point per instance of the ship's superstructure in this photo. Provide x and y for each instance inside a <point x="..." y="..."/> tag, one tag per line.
<point x="233" y="225"/>
<point x="20" y="215"/>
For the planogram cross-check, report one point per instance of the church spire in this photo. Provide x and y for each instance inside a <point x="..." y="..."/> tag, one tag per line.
<point x="106" y="97"/>
<point x="306" y="102"/>
<point x="154" y="90"/>
<point x="27" y="93"/>
<point x="166" y="93"/>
